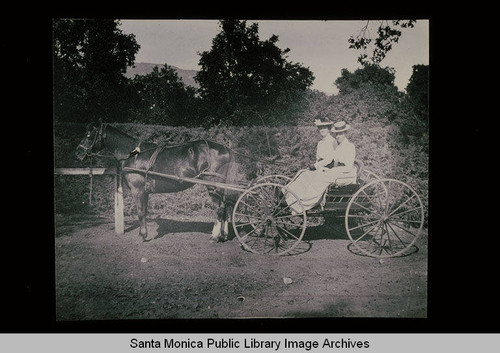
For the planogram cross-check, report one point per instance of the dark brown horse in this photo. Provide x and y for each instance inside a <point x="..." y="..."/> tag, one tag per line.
<point x="200" y="159"/>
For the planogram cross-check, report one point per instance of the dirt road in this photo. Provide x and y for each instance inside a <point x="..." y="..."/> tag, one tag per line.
<point x="181" y="273"/>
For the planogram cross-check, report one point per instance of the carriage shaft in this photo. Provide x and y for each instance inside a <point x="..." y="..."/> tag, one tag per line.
<point x="187" y="179"/>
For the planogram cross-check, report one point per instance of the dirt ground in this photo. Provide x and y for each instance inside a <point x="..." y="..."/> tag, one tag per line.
<point x="181" y="273"/>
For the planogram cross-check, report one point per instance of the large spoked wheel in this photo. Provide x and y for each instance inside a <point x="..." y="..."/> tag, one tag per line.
<point x="275" y="178"/>
<point x="384" y="218"/>
<point x="368" y="176"/>
<point x="269" y="219"/>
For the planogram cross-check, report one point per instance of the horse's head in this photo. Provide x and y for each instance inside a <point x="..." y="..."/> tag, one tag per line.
<point x="93" y="141"/>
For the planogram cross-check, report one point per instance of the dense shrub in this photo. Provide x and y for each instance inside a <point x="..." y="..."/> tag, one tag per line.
<point x="290" y="147"/>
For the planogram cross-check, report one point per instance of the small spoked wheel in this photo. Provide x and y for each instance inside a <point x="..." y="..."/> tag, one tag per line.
<point x="275" y="178"/>
<point x="384" y="218"/>
<point x="269" y="219"/>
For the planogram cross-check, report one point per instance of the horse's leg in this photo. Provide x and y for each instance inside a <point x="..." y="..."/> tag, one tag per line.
<point x="217" y="230"/>
<point x="226" y="216"/>
<point x="228" y="208"/>
<point x="141" y="203"/>
<point x="221" y="226"/>
<point x="145" y="199"/>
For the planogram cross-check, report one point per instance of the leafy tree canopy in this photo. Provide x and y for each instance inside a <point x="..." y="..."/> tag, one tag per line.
<point x="243" y="77"/>
<point x="418" y="89"/>
<point x="90" y="58"/>
<point x="164" y="99"/>
<point x="369" y="74"/>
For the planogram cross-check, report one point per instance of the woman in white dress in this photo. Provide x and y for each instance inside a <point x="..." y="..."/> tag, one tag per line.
<point x="310" y="185"/>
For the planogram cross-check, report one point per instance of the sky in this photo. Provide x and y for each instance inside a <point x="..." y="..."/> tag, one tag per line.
<point x="320" y="46"/>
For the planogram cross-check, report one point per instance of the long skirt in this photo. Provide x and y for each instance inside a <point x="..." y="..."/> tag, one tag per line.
<point x="310" y="185"/>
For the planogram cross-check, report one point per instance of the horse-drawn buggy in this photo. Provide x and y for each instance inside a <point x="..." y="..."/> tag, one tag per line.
<point x="383" y="217"/>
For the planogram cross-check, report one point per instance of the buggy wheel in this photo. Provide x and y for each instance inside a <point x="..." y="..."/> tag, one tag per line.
<point x="384" y="218"/>
<point x="368" y="176"/>
<point x="265" y="223"/>
<point x="275" y="178"/>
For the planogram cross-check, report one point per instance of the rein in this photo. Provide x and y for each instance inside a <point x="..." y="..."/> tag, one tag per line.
<point x="267" y="161"/>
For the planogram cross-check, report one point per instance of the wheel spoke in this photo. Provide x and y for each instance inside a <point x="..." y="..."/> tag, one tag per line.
<point x="295" y="225"/>
<point x="403" y="228"/>
<point x="404" y="203"/>
<point x="397" y="236"/>
<point x="254" y="224"/>
<point x="365" y="208"/>
<point x="369" y="197"/>
<point x="274" y="228"/>
<point x="247" y="234"/>
<point x="281" y="210"/>
<point x="388" y="235"/>
<point x="365" y="225"/>
<point x="404" y="212"/>
<point x="248" y="215"/>
<point x="391" y="224"/>
<point x="402" y="220"/>
<point x="286" y="231"/>
<point x="365" y="233"/>
<point x="250" y="206"/>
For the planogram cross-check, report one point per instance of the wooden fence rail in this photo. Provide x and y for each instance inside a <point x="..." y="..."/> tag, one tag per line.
<point x="119" y="218"/>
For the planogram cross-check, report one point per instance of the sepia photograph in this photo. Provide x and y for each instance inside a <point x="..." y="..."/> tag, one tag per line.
<point x="240" y="169"/>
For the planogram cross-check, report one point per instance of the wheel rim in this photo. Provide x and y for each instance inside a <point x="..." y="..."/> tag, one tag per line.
<point x="384" y="218"/>
<point x="264" y="223"/>
<point x="368" y="176"/>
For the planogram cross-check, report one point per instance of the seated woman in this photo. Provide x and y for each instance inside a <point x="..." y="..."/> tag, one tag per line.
<point x="310" y="185"/>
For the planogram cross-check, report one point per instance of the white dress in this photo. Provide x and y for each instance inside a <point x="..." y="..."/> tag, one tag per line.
<point x="310" y="185"/>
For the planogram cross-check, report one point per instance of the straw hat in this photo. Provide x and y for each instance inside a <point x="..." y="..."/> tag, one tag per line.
<point x="340" y="126"/>
<point x="323" y="122"/>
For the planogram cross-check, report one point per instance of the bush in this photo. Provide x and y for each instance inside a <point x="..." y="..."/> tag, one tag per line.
<point x="377" y="142"/>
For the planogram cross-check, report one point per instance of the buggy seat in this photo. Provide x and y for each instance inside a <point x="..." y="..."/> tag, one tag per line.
<point x="343" y="187"/>
<point x="349" y="180"/>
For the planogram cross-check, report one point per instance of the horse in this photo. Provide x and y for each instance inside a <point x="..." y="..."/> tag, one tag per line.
<point x="201" y="159"/>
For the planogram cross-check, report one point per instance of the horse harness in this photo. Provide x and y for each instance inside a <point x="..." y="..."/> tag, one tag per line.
<point x="101" y="135"/>
<point x="158" y="150"/>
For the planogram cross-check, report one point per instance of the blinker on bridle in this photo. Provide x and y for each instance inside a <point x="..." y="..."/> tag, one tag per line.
<point x="99" y="136"/>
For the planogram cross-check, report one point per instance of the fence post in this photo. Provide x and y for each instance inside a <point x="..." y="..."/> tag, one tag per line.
<point x="119" y="219"/>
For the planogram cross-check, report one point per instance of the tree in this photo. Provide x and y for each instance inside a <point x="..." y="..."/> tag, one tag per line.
<point x="90" y="58"/>
<point x="164" y="99"/>
<point x="246" y="79"/>
<point x="388" y="33"/>
<point x="413" y="119"/>
<point x="370" y="74"/>
<point x="418" y="90"/>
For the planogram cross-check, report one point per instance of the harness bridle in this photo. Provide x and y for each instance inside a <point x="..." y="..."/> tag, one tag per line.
<point x="100" y="136"/>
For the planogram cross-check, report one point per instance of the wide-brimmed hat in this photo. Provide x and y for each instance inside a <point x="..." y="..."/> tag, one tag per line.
<point x="323" y="122"/>
<point x="340" y="126"/>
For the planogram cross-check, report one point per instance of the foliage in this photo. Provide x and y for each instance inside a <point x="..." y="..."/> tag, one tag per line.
<point x="287" y="148"/>
<point x="251" y="99"/>
<point x="90" y="58"/>
<point x="373" y="75"/>
<point x="387" y="35"/>
<point x="164" y="99"/>
<point x="418" y="91"/>
<point x="245" y="79"/>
